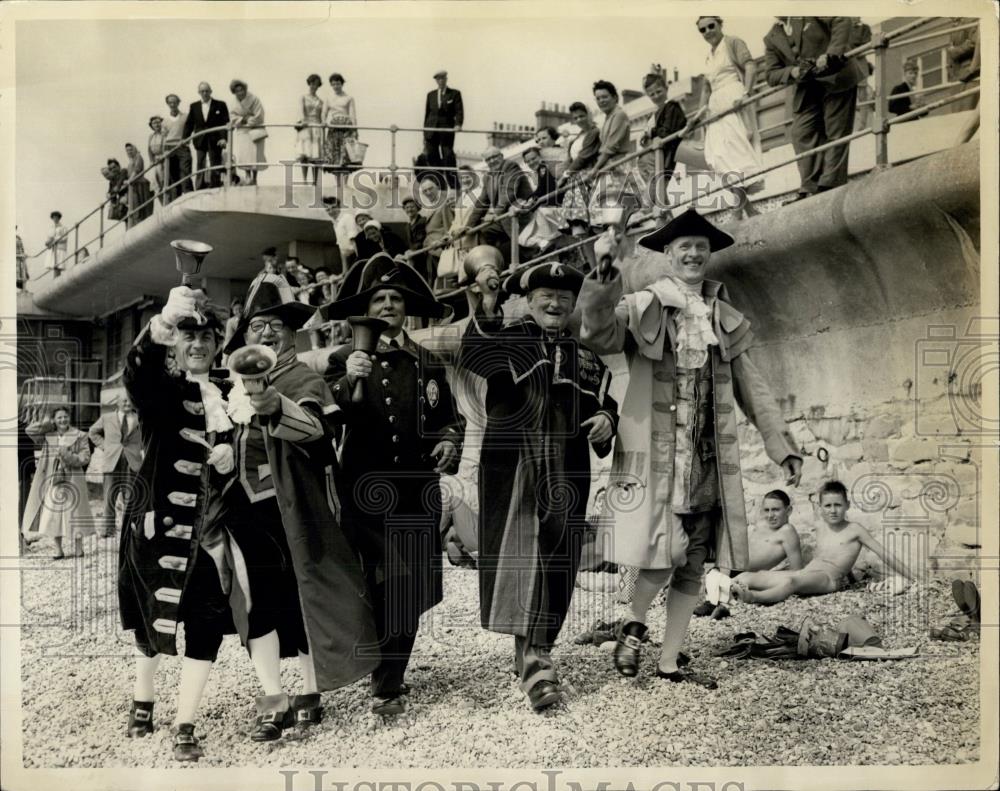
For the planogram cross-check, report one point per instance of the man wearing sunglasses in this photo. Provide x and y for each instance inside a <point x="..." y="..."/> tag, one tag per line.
<point x="808" y="52"/>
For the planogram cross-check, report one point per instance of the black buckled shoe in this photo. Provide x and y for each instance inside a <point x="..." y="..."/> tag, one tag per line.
<point x="306" y="714"/>
<point x="688" y="676"/>
<point x="274" y="715"/>
<point x="544" y="694"/>
<point x="186" y="747"/>
<point x="628" y="649"/>
<point x="389" y="707"/>
<point x="140" y="719"/>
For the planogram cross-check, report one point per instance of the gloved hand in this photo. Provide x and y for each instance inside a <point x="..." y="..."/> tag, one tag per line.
<point x="221" y="457"/>
<point x="182" y="302"/>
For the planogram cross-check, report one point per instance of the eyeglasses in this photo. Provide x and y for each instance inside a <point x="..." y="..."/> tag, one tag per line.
<point x="258" y="325"/>
<point x="709" y="26"/>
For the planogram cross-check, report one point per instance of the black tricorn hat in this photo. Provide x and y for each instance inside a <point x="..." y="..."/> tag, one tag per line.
<point x="212" y="321"/>
<point x="379" y="272"/>
<point x="270" y="294"/>
<point x="690" y="223"/>
<point x="550" y="274"/>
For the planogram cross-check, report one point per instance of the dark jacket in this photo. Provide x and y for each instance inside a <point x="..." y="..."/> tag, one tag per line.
<point x="218" y="115"/>
<point x="669" y="119"/>
<point x="448" y="114"/>
<point x="500" y="190"/>
<point x="546" y="185"/>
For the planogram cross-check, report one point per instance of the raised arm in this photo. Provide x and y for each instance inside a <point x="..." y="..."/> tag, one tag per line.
<point x="605" y="315"/>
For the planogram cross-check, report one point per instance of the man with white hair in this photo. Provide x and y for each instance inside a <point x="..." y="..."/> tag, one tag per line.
<point x="207" y="114"/>
<point x="504" y="185"/>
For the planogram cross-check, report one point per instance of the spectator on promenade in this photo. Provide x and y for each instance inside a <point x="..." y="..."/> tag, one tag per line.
<point x="442" y="214"/>
<point x="554" y="157"/>
<point x="581" y="155"/>
<point x="668" y="119"/>
<point x="730" y="147"/>
<point x="207" y="114"/>
<point x="504" y="183"/>
<point x="140" y="197"/>
<point x="443" y="110"/>
<point x="911" y="81"/>
<point x="960" y="53"/>
<point x="271" y="265"/>
<point x="363" y="247"/>
<point x="416" y="236"/>
<point x="304" y="280"/>
<point x="607" y="187"/>
<point x="117" y="189"/>
<point x="179" y="156"/>
<point x="117" y="435"/>
<point x="340" y="111"/>
<point x="21" y="258"/>
<point x="235" y="315"/>
<point x="57" y="242"/>
<point x="382" y="240"/>
<point x="155" y="148"/>
<point x="808" y="52"/>
<point x="249" y="134"/>
<point x="543" y="226"/>
<point x="310" y="129"/>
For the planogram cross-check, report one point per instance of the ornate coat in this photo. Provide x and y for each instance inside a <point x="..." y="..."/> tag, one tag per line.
<point x="645" y="533"/>
<point x="165" y="518"/>
<point x="534" y="470"/>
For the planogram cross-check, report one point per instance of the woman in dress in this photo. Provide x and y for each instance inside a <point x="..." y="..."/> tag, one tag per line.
<point x="340" y="111"/>
<point x="606" y="187"/>
<point x="310" y="129"/>
<point x="140" y="196"/>
<point x="155" y="147"/>
<point x="583" y="151"/>
<point x="249" y="134"/>
<point x="117" y="189"/>
<point x="730" y="72"/>
<point x="57" y="503"/>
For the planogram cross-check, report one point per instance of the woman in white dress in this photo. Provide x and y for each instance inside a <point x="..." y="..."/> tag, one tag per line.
<point x="249" y="134"/>
<point x="57" y="504"/>
<point x="340" y="111"/>
<point x="310" y="129"/>
<point x="730" y="145"/>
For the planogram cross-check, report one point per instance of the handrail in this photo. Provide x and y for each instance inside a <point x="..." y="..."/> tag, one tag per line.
<point x="878" y="43"/>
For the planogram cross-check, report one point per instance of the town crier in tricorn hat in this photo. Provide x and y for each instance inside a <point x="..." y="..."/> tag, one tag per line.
<point x="380" y="271"/>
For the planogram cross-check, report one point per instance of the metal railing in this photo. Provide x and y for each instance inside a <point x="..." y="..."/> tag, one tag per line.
<point x="880" y="127"/>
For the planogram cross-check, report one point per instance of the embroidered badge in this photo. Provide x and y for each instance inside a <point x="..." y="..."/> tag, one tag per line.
<point x="433" y="393"/>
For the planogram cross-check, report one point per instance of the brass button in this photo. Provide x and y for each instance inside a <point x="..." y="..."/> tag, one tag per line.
<point x="385" y="365"/>
<point x="392" y="418"/>
<point x="395" y="437"/>
<point x="385" y="383"/>
<point x="420" y="382"/>
<point x="673" y="407"/>
<point x="395" y="459"/>
<point x="422" y="399"/>
<point x="388" y="400"/>
<point x="168" y="521"/>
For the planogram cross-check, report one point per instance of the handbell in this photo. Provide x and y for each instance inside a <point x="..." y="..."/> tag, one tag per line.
<point x="480" y="257"/>
<point x="188" y="256"/>
<point x="365" y="333"/>
<point x="252" y="364"/>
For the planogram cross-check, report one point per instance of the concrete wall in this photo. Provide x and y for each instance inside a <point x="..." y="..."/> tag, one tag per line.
<point x="861" y="302"/>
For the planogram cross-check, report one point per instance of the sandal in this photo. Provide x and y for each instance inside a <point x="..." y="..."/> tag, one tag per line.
<point x="186" y="747"/>
<point x="140" y="719"/>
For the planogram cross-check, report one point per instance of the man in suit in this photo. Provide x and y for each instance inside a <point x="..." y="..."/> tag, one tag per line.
<point x="503" y="184"/>
<point x="117" y="435"/>
<point x="443" y="110"/>
<point x="905" y="103"/>
<point x="209" y="113"/>
<point x="808" y="52"/>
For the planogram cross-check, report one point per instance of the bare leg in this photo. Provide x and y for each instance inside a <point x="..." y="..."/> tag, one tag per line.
<point x="649" y="583"/>
<point x="194" y="676"/>
<point x="308" y="674"/>
<point x="802" y="583"/>
<point x="59" y="547"/>
<point x="680" y="606"/>
<point x="266" y="655"/>
<point x="145" y="671"/>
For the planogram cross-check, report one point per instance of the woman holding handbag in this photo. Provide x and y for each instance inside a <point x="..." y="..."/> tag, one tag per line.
<point x="340" y="144"/>
<point x="249" y="134"/>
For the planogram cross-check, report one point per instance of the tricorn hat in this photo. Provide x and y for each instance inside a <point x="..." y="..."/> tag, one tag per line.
<point x="690" y="223"/>
<point x="550" y="274"/>
<point x="270" y="294"/>
<point x="379" y="272"/>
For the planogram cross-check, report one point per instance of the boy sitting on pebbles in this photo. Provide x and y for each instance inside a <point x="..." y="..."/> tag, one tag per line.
<point x="838" y="544"/>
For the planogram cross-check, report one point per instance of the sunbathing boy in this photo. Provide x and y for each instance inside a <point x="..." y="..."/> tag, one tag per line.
<point x="773" y="545"/>
<point x="838" y="544"/>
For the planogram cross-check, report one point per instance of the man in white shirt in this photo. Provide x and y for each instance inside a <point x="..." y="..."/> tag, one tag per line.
<point x="178" y="162"/>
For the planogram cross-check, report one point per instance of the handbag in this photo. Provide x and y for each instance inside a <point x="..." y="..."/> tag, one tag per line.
<point x="355" y="150"/>
<point x="448" y="263"/>
<point x="257" y="134"/>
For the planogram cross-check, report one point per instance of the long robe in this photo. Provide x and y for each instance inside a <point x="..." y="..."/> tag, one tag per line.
<point x="534" y="473"/>
<point x="57" y="501"/>
<point x="336" y="606"/>
<point x="642" y="529"/>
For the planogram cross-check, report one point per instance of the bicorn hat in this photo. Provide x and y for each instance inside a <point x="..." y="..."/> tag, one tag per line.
<point x="380" y="271"/>
<point x="270" y="294"/>
<point x="550" y="274"/>
<point x="690" y="223"/>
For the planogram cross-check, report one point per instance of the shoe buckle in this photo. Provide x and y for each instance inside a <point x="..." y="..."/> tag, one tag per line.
<point x="631" y="641"/>
<point x="271" y="717"/>
<point x="142" y="715"/>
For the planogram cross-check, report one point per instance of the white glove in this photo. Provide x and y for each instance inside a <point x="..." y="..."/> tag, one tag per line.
<point x="222" y="459"/>
<point x="182" y="302"/>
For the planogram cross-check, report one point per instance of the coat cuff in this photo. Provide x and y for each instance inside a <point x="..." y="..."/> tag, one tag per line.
<point x="595" y="295"/>
<point x="294" y="423"/>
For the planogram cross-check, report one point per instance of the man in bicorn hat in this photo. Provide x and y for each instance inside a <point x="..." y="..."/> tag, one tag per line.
<point x="547" y="404"/>
<point x="278" y="514"/>
<point x="675" y="493"/>
<point x="399" y="438"/>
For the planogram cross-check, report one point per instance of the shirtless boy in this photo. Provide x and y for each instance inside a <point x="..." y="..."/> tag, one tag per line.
<point x="774" y="545"/>
<point x="838" y="544"/>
